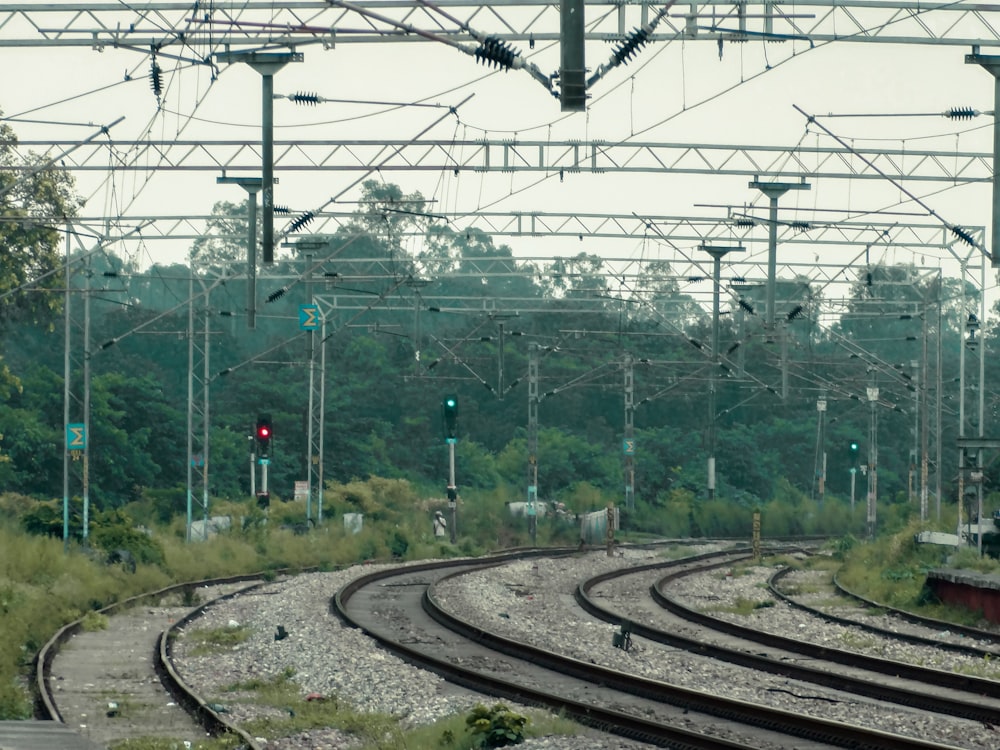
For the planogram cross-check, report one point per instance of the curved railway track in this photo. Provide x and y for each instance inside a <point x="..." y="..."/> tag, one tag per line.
<point x="988" y="643"/>
<point x="81" y="696"/>
<point x="958" y="695"/>
<point x="398" y="608"/>
<point x="714" y="713"/>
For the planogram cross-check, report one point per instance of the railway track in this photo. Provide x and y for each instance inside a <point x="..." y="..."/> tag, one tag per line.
<point x="119" y="683"/>
<point x="984" y="644"/>
<point x="399" y="608"/>
<point x="956" y="695"/>
<point x="733" y="718"/>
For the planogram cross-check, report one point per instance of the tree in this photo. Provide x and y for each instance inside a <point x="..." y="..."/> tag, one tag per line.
<point x="35" y="202"/>
<point x="224" y="241"/>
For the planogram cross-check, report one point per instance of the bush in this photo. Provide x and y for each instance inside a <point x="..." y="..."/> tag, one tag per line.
<point x="496" y="727"/>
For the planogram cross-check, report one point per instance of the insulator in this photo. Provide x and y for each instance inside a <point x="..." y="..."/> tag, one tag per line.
<point x="961" y="113"/>
<point x="800" y="226"/>
<point x="963" y="235"/>
<point x="276" y="295"/>
<point x="694" y="279"/>
<point x="301" y="97"/>
<point x="496" y="52"/>
<point x="795" y="312"/>
<point x="745" y="223"/>
<point x="745" y="305"/>
<point x="302" y="221"/>
<point x="156" y="79"/>
<point x="283" y="210"/>
<point x="623" y="53"/>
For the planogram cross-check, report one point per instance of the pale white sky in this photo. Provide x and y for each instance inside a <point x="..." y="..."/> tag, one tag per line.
<point x="678" y="92"/>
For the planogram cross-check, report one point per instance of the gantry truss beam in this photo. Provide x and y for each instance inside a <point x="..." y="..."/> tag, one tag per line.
<point x="196" y="31"/>
<point x="740" y="227"/>
<point x="589" y="286"/>
<point x="546" y="157"/>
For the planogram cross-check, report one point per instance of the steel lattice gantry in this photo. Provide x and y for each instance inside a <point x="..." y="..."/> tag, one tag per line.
<point x="536" y="156"/>
<point x="739" y="225"/>
<point x="198" y="30"/>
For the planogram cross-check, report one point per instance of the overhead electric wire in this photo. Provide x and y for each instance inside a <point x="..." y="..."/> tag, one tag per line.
<point x="957" y="230"/>
<point x="62" y="267"/>
<point x="49" y="163"/>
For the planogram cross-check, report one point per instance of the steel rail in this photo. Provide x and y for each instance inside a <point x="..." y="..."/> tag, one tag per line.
<point x="791" y="723"/>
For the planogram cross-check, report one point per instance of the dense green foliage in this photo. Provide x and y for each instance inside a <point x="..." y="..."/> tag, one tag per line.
<point x="496" y="726"/>
<point x="413" y="310"/>
<point x="464" y="316"/>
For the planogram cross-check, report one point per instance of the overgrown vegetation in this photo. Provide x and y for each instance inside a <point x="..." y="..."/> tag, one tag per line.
<point x="893" y="569"/>
<point x="217" y="639"/>
<point x="230" y="742"/>
<point x="496" y="726"/>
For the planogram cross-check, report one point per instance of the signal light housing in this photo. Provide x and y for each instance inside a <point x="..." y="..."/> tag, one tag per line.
<point x="449" y="413"/>
<point x="263" y="433"/>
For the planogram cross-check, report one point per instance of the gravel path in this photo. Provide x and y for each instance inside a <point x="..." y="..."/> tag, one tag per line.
<point x="104" y="683"/>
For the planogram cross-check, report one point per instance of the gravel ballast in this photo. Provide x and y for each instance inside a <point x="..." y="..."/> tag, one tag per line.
<point x="533" y="601"/>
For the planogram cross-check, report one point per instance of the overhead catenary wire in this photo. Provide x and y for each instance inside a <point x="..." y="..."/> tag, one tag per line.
<point x="634" y="41"/>
<point x="957" y="230"/>
<point x="307" y="217"/>
<point x="99" y="248"/>
<point x="48" y="164"/>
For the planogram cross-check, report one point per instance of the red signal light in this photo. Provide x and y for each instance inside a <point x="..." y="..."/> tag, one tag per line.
<point x="263" y="433"/>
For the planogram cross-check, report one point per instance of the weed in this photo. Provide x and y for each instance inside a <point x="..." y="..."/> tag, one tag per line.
<point x="94" y="621"/>
<point x="189" y="597"/>
<point x="228" y="742"/>
<point x="217" y="639"/>
<point x="857" y="642"/>
<point x="496" y="727"/>
<point x="743" y="606"/>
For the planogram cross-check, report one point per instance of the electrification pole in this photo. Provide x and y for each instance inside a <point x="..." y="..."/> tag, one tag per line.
<point x="197" y="412"/>
<point x="773" y="191"/>
<point x="872" y="391"/>
<point x="532" y="440"/>
<point x="267" y="64"/>
<point x="717" y="254"/>
<point x="628" y="441"/>
<point x="992" y="64"/>
<point x="252" y="185"/>
<point x="86" y="402"/>
<point x="820" y="464"/>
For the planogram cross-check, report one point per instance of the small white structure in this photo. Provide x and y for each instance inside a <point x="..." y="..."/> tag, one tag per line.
<point x="202" y="530"/>
<point x="440" y="524"/>
<point x="354" y="522"/>
<point x="520" y="509"/>
<point x="594" y="526"/>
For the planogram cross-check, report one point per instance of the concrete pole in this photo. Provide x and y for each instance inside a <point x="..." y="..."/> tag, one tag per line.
<point x="452" y="501"/>
<point x="961" y="408"/>
<point x="86" y="405"/>
<point x="773" y="191"/>
<point x="67" y="393"/>
<point x="267" y="64"/>
<point x="252" y="185"/>
<point x="992" y="65"/>
<point x="532" y="439"/>
<point x="717" y="254"/>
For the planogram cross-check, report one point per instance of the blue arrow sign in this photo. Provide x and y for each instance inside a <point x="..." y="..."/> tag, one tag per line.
<point x="308" y="317"/>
